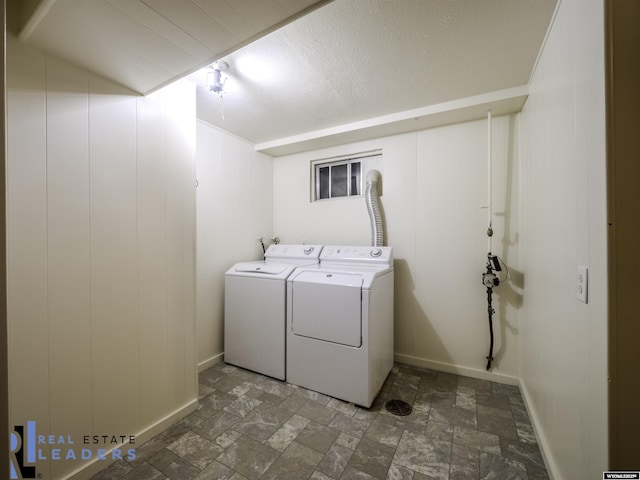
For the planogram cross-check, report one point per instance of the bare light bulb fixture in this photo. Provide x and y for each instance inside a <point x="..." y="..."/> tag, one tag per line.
<point x="215" y="80"/>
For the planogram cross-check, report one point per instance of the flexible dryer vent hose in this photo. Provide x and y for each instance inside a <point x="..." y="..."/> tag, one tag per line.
<point x="371" y="198"/>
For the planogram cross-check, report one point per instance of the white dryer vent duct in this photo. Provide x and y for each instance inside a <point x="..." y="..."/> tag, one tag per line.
<point x="371" y="197"/>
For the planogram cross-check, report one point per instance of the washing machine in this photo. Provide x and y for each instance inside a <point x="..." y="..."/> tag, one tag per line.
<point x="255" y="308"/>
<point x="340" y="323"/>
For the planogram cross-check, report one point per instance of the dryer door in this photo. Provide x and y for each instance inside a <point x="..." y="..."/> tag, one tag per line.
<point x="328" y="306"/>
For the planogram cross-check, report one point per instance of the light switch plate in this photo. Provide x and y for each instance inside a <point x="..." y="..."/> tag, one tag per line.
<point x="582" y="284"/>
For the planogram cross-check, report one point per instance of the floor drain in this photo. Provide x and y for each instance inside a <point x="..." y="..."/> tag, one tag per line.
<point x="398" y="407"/>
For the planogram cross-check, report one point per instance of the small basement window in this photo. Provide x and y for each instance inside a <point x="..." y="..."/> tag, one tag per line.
<point x="340" y="177"/>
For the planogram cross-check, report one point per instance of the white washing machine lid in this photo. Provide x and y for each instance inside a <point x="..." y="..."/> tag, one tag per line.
<point x="276" y="271"/>
<point x="280" y="260"/>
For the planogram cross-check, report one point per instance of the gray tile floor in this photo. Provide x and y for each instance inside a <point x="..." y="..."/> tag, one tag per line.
<point x="251" y="427"/>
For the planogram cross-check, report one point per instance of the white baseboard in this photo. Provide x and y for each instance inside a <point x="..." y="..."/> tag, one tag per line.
<point x="96" y="465"/>
<point x="552" y="469"/>
<point x="449" y="368"/>
<point x="210" y="362"/>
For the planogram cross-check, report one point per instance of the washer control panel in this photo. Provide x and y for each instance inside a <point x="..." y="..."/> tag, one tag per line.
<point x="356" y="254"/>
<point x="282" y="252"/>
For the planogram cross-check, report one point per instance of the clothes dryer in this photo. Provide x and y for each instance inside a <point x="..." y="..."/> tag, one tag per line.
<point x="255" y="308"/>
<point x="340" y="323"/>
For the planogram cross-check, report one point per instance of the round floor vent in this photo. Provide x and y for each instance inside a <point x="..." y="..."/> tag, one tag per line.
<point x="398" y="408"/>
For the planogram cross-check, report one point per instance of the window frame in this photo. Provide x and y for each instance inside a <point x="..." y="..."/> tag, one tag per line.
<point x="348" y="160"/>
<point x="331" y="166"/>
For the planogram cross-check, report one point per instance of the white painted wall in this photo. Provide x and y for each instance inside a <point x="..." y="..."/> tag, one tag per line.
<point x="235" y="208"/>
<point x="564" y="342"/>
<point x="433" y="183"/>
<point x="101" y="232"/>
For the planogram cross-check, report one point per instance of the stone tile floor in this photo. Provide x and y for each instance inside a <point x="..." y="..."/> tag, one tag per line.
<point x="251" y="427"/>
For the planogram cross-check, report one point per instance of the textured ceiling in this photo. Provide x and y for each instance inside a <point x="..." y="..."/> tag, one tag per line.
<point x="299" y="66"/>
<point x="356" y="59"/>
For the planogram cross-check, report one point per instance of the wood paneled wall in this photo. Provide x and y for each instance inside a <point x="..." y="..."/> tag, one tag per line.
<point x="101" y="238"/>
<point x="564" y="341"/>
<point x="235" y="207"/>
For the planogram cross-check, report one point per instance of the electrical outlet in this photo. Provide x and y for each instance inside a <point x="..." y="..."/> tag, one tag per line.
<point x="582" y="285"/>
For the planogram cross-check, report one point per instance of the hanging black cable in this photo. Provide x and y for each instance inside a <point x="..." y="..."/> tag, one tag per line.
<point x="490" y="312"/>
<point x="490" y="280"/>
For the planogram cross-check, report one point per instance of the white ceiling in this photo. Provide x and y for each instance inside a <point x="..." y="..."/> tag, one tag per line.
<point x="340" y="64"/>
<point x="146" y="44"/>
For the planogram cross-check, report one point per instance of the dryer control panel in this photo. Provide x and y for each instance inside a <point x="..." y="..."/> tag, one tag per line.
<point x="357" y="254"/>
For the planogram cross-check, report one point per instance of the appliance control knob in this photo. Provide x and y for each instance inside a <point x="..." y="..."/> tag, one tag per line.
<point x="376" y="252"/>
<point x="308" y="250"/>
